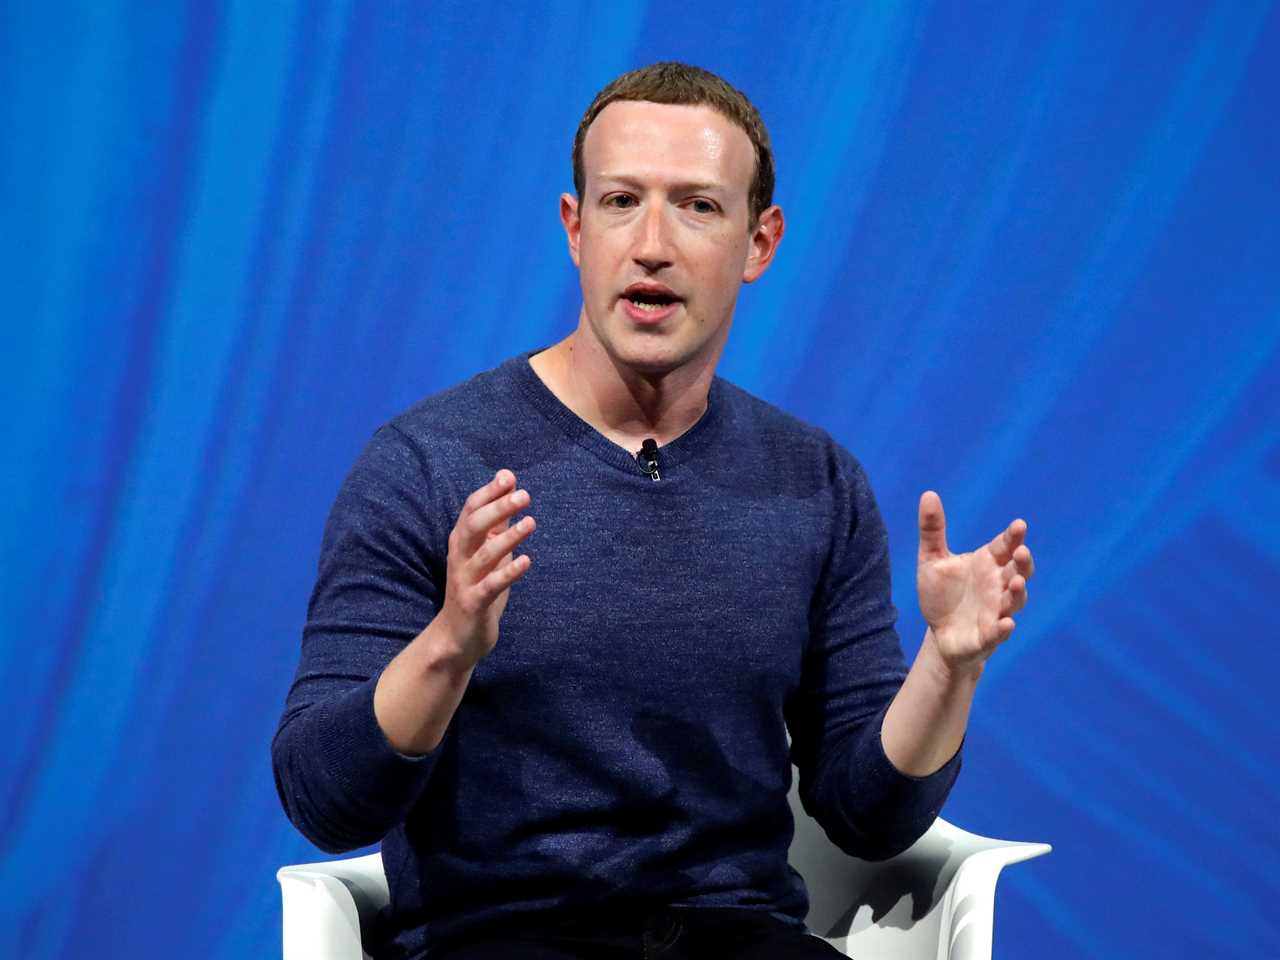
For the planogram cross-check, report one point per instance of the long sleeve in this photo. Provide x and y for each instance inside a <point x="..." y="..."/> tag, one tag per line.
<point x="852" y="669"/>
<point x="379" y="583"/>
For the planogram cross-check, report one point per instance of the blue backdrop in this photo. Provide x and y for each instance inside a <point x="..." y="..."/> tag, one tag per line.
<point x="1031" y="261"/>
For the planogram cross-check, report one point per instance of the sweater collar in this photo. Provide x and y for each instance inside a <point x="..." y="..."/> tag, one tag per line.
<point x="680" y="450"/>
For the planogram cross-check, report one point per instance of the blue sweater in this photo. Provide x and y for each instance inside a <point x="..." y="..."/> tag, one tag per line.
<point x="627" y="738"/>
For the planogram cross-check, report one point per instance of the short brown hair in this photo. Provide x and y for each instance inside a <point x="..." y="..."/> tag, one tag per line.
<point x="679" y="83"/>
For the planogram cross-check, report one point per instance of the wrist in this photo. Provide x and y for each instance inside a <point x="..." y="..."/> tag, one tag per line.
<point x="949" y="672"/>
<point x="444" y="650"/>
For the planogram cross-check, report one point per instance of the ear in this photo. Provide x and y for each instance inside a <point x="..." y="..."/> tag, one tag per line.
<point x="765" y="237"/>
<point x="572" y="223"/>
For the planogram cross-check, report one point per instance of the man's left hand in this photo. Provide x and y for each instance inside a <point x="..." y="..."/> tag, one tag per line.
<point x="969" y="599"/>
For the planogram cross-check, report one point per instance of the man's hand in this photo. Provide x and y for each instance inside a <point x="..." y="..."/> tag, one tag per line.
<point x="481" y="568"/>
<point x="421" y="687"/>
<point x="969" y="599"/>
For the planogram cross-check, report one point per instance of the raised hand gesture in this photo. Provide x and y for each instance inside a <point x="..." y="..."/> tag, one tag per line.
<point x="481" y="566"/>
<point x="969" y="599"/>
<point x="422" y="686"/>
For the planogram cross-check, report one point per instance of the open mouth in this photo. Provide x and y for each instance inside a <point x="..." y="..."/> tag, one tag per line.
<point x="652" y="302"/>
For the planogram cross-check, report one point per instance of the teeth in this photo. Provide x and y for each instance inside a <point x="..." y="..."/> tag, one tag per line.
<point x="645" y="305"/>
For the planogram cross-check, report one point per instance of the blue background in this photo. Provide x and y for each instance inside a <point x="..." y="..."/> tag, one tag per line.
<point x="1031" y="261"/>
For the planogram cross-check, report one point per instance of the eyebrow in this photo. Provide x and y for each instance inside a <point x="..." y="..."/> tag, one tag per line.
<point x="690" y="186"/>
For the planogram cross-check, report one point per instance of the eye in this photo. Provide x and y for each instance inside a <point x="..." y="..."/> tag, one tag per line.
<point x="701" y="205"/>
<point x="620" y="200"/>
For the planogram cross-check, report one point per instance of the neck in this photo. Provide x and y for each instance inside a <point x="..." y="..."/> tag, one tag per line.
<point x="624" y="405"/>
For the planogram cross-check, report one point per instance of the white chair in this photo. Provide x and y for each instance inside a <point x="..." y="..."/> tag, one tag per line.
<point x="934" y="901"/>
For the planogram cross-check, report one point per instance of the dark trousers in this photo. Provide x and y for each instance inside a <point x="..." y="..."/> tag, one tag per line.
<point x="669" y="933"/>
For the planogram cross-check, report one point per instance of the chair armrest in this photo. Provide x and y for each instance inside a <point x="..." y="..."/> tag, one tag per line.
<point x="969" y="903"/>
<point x="325" y="904"/>
<point x="931" y="902"/>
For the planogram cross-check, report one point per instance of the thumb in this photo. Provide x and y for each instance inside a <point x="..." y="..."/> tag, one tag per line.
<point x="933" y="528"/>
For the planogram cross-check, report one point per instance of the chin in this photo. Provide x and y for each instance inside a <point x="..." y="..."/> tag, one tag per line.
<point x="651" y="354"/>
<point x="648" y="362"/>
<point x="658" y="356"/>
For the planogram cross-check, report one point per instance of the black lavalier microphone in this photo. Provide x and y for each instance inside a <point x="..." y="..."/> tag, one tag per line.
<point x="648" y="457"/>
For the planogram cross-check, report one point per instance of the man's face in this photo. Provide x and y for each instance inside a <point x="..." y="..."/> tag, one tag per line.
<point x="660" y="234"/>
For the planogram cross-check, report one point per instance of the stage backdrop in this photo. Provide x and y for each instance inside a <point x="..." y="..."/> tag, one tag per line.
<point x="1031" y="261"/>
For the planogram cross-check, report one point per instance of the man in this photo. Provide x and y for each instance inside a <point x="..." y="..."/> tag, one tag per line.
<point x="595" y="762"/>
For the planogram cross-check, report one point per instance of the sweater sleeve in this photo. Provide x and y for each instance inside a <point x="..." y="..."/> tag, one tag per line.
<point x="853" y="667"/>
<point x="379" y="583"/>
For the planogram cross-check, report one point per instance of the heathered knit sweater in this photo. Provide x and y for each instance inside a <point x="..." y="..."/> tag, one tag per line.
<point x="627" y="738"/>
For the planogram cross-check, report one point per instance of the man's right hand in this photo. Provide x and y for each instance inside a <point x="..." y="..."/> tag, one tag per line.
<point x="421" y="687"/>
<point x="481" y="568"/>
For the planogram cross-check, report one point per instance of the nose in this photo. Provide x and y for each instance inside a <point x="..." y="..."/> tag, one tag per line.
<point x="653" y="249"/>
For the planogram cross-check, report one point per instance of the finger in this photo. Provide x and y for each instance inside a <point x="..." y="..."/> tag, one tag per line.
<point x="497" y="581"/>
<point x="502" y="481"/>
<point x="1015" y="597"/>
<point x="933" y="528"/>
<point x="497" y="547"/>
<point x="1004" y="544"/>
<point x="1025" y="563"/>
<point x="1004" y="629"/>
<point x="485" y="519"/>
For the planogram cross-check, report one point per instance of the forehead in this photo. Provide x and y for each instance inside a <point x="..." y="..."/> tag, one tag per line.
<point x="668" y="142"/>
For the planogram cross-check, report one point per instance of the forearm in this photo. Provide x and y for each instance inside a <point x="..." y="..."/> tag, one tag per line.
<point x="926" y="721"/>
<point x="420" y="689"/>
